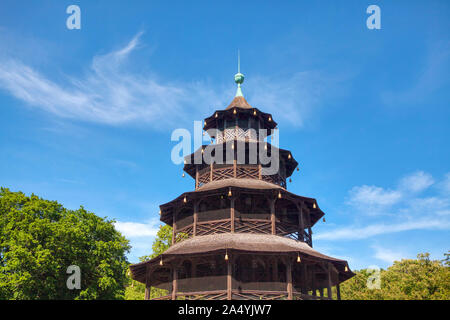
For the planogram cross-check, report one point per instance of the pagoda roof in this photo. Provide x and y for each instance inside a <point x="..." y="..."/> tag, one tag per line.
<point x="240" y="243"/>
<point x="253" y="185"/>
<point x="286" y="155"/>
<point x="239" y="102"/>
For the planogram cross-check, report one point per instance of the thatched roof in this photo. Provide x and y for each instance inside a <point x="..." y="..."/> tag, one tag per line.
<point x="235" y="243"/>
<point x="239" y="102"/>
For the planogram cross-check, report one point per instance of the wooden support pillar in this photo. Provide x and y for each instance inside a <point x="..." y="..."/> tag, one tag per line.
<point x="310" y="237"/>
<point x="259" y="172"/>
<point x="196" y="177"/>
<point x="234" y="168"/>
<point x="289" y="278"/>
<point x="232" y="215"/>
<point x="211" y="172"/>
<point x="194" y="228"/>
<point x="313" y="280"/>
<point x="301" y="224"/>
<point x="174" y="282"/>
<point x="330" y="295"/>
<point x="338" y="292"/>
<point x="304" y="278"/>
<point x="174" y="227"/>
<point x="147" y="287"/>
<point x="272" y="216"/>
<point x="229" y="278"/>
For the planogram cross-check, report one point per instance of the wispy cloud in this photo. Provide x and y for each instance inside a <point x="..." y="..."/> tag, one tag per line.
<point x="388" y="255"/>
<point x="416" y="182"/>
<point x="113" y="93"/>
<point x="407" y="209"/>
<point x="357" y="233"/>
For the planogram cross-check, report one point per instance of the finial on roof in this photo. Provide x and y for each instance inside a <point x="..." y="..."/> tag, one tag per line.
<point x="239" y="78"/>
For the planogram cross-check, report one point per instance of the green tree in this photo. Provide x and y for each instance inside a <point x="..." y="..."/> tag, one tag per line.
<point x="39" y="239"/>
<point x="408" y="279"/>
<point x="163" y="240"/>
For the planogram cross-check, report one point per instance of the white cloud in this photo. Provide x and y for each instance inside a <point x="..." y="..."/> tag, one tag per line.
<point x="444" y="185"/>
<point x="135" y="229"/>
<point x="388" y="255"/>
<point x="373" y="196"/>
<point x="111" y="92"/>
<point x="407" y="211"/>
<point x="357" y="232"/>
<point x="416" y="182"/>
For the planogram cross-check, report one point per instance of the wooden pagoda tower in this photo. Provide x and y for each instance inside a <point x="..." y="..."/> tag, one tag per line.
<point x="240" y="234"/>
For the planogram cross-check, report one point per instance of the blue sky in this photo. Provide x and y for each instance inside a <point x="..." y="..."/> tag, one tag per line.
<point x="86" y="115"/>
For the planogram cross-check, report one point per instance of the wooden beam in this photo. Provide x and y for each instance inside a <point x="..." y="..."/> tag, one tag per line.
<point x="272" y="216"/>
<point x="229" y="278"/>
<point x="174" y="226"/>
<point x="211" y="172"/>
<point x="194" y="228"/>
<point x="289" y="278"/>
<point x="301" y="224"/>
<point x="147" y="289"/>
<point x="330" y="295"/>
<point x="196" y="177"/>
<point x="174" y="282"/>
<point x="338" y="292"/>
<point x="232" y="215"/>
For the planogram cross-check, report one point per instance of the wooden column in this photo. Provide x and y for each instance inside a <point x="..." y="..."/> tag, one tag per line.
<point x="196" y="177"/>
<point x="194" y="231"/>
<point x="229" y="278"/>
<point x="330" y="295"/>
<point x="338" y="292"/>
<point x="211" y="172"/>
<point x="259" y="172"/>
<point x="174" y="282"/>
<point x="313" y="280"/>
<point x="232" y="216"/>
<point x="289" y="278"/>
<point x="234" y="168"/>
<point x="147" y="288"/>
<point x="174" y="227"/>
<point x="301" y="224"/>
<point x="272" y="215"/>
<point x="310" y="237"/>
<point x="304" y="278"/>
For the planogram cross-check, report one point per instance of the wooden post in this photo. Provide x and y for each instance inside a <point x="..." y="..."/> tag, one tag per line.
<point x="232" y="215"/>
<point x="272" y="215"/>
<point x="301" y="225"/>
<point x="194" y="231"/>
<point x="259" y="172"/>
<point x="196" y="177"/>
<point x="313" y="280"/>
<point x="147" y="288"/>
<point x="174" y="282"/>
<point x="234" y="168"/>
<point x="330" y="295"/>
<point x="210" y="172"/>
<point x="310" y="237"/>
<point x="338" y="292"/>
<point x="304" y="278"/>
<point x="229" y="278"/>
<point x="289" y="278"/>
<point x="174" y="227"/>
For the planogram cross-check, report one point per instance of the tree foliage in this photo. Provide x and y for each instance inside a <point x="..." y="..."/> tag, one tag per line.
<point x="408" y="279"/>
<point x="39" y="239"/>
